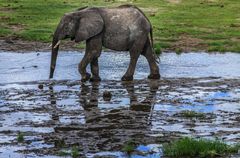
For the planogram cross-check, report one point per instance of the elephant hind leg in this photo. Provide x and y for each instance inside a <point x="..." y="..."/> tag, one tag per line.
<point x="148" y="53"/>
<point x="135" y="52"/>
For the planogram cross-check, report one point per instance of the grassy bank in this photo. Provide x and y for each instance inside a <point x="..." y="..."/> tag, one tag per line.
<point x="202" y="148"/>
<point x="188" y="147"/>
<point x="179" y="25"/>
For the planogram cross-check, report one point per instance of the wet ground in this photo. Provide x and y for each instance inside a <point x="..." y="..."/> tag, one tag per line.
<point x="67" y="113"/>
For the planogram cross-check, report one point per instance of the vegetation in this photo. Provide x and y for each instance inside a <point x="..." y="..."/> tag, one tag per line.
<point x="60" y="143"/>
<point x="192" y="114"/>
<point x="129" y="147"/>
<point x="75" y="152"/>
<point x="20" y="137"/>
<point x="63" y="153"/>
<point x="180" y="25"/>
<point x="189" y="147"/>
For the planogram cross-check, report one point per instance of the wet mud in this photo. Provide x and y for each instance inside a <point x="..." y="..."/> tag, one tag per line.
<point x="64" y="114"/>
<point x="198" y="95"/>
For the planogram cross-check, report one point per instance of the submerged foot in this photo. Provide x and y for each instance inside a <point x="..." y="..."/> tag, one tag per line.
<point x="86" y="77"/>
<point x="127" y="78"/>
<point x="154" y="76"/>
<point x="95" y="79"/>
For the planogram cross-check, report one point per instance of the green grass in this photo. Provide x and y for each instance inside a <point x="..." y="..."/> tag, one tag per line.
<point x="192" y="148"/>
<point x="20" y="137"/>
<point x="215" y="22"/>
<point x="63" y="153"/>
<point x="60" y="143"/>
<point x="158" y="48"/>
<point x="192" y="114"/>
<point x="75" y="152"/>
<point x="129" y="147"/>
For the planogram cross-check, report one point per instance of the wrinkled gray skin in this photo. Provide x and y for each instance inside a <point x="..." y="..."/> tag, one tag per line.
<point x="124" y="28"/>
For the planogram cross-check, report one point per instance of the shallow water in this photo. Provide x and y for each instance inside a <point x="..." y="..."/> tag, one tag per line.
<point x="17" y="67"/>
<point x="67" y="113"/>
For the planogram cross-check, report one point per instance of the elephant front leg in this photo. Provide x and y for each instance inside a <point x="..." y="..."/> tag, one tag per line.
<point x="93" y="51"/>
<point x="95" y="70"/>
<point x="82" y="68"/>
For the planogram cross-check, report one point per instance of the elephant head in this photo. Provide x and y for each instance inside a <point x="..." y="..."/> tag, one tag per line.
<point x="79" y="26"/>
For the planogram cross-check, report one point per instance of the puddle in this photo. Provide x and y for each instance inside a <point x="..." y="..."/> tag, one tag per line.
<point x="141" y="151"/>
<point x="74" y="114"/>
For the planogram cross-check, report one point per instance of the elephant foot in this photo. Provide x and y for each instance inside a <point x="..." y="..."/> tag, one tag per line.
<point x="95" y="79"/>
<point x="127" y="78"/>
<point x="154" y="76"/>
<point x="86" y="77"/>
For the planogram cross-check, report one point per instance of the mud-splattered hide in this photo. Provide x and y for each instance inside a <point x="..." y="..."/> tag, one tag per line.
<point x="123" y="28"/>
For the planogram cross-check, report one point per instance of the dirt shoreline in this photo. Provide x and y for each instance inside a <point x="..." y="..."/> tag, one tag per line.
<point x="11" y="44"/>
<point x="16" y="44"/>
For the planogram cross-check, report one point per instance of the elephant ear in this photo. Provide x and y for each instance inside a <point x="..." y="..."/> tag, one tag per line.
<point x="91" y="24"/>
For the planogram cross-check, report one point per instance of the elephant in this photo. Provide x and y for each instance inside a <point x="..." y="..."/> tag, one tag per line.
<point x="122" y="28"/>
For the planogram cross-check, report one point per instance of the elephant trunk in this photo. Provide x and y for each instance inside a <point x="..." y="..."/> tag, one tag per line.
<point x="55" y="46"/>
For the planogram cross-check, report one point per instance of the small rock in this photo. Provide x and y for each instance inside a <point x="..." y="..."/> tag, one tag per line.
<point x="152" y="14"/>
<point x="107" y="96"/>
<point x="9" y="41"/>
<point x="55" y="117"/>
<point x="40" y="86"/>
<point x="50" y="87"/>
<point x="53" y="102"/>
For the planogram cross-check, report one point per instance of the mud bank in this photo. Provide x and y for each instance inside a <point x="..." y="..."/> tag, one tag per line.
<point x="14" y="44"/>
<point x="70" y="113"/>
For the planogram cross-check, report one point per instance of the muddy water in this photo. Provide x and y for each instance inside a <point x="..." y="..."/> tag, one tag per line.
<point x="67" y="113"/>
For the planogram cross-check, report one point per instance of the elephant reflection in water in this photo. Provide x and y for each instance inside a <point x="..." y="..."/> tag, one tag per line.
<point x="109" y="129"/>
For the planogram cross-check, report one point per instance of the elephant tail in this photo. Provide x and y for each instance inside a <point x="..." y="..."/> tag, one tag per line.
<point x="79" y="9"/>
<point x="157" y="58"/>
